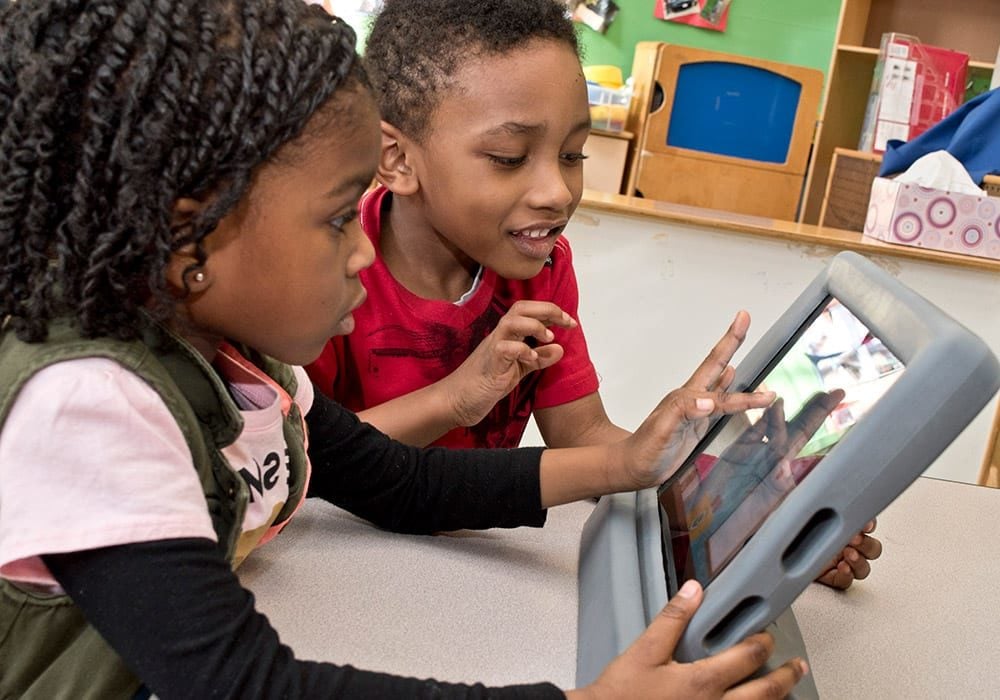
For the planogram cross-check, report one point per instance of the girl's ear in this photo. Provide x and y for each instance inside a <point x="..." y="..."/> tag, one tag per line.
<point x="395" y="169"/>
<point x="183" y="270"/>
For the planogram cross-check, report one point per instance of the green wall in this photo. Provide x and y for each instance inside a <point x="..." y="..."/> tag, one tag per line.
<point x="801" y="32"/>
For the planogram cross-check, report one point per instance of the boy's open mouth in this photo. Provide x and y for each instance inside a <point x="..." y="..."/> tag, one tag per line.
<point x="537" y="241"/>
<point x="538" y="232"/>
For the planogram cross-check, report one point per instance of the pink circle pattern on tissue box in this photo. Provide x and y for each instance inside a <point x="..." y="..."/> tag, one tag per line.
<point x="929" y="218"/>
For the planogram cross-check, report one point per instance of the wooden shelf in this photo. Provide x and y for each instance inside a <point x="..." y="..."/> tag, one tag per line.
<point x="974" y="30"/>
<point x="851" y="48"/>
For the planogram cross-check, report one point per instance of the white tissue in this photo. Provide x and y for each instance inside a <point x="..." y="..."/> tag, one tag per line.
<point x="941" y="171"/>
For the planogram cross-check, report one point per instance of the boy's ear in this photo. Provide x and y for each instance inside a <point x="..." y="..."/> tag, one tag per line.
<point x="395" y="168"/>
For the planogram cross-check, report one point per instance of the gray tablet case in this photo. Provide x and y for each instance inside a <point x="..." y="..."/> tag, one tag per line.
<point x="949" y="376"/>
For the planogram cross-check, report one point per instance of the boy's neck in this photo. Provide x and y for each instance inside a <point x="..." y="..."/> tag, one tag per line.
<point x="419" y="257"/>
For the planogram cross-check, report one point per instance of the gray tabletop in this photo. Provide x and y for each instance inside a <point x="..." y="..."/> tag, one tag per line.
<point x="500" y="606"/>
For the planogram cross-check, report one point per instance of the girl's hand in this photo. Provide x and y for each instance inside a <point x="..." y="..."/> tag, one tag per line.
<point x="681" y="419"/>
<point x="520" y="344"/>
<point x="647" y="668"/>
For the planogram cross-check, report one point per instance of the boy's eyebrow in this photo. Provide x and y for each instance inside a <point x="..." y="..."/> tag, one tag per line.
<point x="523" y="128"/>
<point x="515" y="128"/>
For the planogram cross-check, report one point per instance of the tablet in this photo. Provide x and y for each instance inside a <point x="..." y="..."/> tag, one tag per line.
<point x="872" y="383"/>
<point x="826" y="379"/>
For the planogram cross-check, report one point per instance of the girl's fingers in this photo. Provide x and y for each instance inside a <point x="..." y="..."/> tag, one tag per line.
<point x="776" y="684"/>
<point x="714" y="365"/>
<point x="656" y="645"/>
<point x="734" y="664"/>
<point x="735" y="403"/>
<point x="725" y="379"/>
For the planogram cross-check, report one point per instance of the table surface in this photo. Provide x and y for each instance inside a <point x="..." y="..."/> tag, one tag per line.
<point x="500" y="606"/>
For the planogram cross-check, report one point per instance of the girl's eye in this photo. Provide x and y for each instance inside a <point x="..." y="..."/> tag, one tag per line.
<point x="339" y="222"/>
<point x="573" y="158"/>
<point x="507" y="162"/>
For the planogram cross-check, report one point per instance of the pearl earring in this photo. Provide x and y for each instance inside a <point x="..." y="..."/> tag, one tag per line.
<point x="199" y="276"/>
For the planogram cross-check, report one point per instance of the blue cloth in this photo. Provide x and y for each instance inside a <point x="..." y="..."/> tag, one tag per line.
<point x="971" y="133"/>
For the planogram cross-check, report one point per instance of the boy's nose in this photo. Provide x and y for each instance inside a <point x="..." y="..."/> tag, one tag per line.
<point x="553" y="190"/>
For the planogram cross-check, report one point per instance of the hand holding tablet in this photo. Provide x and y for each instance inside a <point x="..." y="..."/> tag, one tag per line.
<point x="872" y="381"/>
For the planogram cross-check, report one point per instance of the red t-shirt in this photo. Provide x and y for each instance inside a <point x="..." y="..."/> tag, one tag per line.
<point x="403" y="342"/>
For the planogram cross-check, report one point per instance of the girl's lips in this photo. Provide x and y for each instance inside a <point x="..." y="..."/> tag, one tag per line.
<point x="346" y="323"/>
<point x="345" y="326"/>
<point x="361" y="299"/>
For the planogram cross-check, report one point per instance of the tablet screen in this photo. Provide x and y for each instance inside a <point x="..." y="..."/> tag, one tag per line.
<point x="825" y="379"/>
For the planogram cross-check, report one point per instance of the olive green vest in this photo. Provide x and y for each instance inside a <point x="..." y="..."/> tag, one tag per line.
<point x="47" y="649"/>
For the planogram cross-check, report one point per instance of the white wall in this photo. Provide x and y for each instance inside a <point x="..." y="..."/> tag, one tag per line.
<point x="655" y="296"/>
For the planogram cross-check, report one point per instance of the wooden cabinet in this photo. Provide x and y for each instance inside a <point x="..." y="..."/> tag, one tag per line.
<point x="606" y="152"/>
<point x="972" y="26"/>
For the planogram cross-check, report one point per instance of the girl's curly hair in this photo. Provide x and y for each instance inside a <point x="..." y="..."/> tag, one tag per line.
<point x="111" y="110"/>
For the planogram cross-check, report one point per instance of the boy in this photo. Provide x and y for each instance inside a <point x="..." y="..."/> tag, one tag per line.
<point x="485" y="116"/>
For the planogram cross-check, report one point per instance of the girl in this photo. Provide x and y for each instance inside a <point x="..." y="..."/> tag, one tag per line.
<point x="178" y="183"/>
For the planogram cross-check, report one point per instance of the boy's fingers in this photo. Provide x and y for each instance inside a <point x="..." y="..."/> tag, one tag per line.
<point x="523" y="328"/>
<point x="860" y="568"/>
<point x="548" y="355"/>
<point x="870" y="547"/>
<point x="544" y="311"/>
<point x="656" y="645"/>
<point x="840" y="576"/>
<point x="776" y="684"/>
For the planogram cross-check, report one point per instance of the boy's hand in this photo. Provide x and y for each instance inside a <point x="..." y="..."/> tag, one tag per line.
<point x="647" y="668"/>
<point x="665" y="438"/>
<point x="520" y="344"/>
<point x="853" y="562"/>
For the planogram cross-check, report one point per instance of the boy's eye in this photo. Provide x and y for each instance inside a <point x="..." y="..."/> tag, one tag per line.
<point x="506" y="161"/>
<point x="573" y="158"/>
<point x="339" y="222"/>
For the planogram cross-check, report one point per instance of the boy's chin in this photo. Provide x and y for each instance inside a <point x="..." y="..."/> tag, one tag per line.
<point x="522" y="271"/>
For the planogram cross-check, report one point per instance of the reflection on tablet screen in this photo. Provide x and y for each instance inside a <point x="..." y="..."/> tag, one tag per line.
<point x="825" y="381"/>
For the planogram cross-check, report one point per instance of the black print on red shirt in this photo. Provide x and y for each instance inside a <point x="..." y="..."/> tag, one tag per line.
<point x="442" y="348"/>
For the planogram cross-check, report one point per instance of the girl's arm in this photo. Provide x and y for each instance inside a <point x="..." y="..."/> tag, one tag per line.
<point x="179" y="618"/>
<point x="407" y="489"/>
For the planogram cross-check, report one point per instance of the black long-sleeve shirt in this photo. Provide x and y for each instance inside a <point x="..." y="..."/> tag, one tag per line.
<point x="179" y="618"/>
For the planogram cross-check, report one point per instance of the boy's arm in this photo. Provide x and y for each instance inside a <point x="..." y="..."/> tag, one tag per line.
<point x="578" y="423"/>
<point x="467" y="395"/>
<point x="407" y="489"/>
<point x="418" y="418"/>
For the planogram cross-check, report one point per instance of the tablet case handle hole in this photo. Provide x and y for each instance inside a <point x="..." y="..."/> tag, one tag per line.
<point x="813" y="536"/>
<point x="748" y="608"/>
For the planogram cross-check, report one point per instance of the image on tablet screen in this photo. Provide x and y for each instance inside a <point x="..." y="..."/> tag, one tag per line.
<point x="825" y="382"/>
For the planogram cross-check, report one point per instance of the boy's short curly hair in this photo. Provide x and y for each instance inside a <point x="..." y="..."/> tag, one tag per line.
<point x="416" y="46"/>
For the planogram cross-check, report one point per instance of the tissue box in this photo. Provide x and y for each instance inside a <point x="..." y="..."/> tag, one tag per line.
<point x="923" y="217"/>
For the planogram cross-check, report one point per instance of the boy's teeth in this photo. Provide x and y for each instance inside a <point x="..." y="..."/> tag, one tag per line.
<point x="534" y="233"/>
